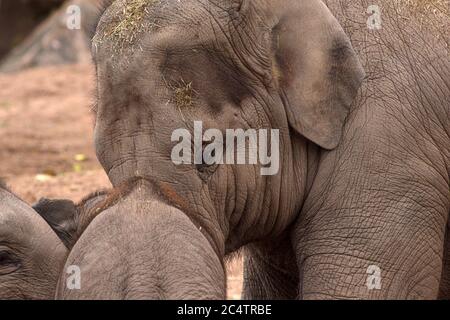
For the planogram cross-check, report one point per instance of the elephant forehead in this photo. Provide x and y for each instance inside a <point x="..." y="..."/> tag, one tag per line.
<point x="125" y="20"/>
<point x="15" y="215"/>
<point x="21" y="225"/>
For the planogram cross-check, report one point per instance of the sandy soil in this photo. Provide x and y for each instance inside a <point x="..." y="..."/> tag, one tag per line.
<point x="46" y="149"/>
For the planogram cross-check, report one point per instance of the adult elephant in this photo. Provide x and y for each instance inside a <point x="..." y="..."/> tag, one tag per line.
<point x="375" y="223"/>
<point x="31" y="255"/>
<point x="161" y="66"/>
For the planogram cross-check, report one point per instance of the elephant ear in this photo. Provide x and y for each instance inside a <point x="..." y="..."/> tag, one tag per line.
<point x="317" y="69"/>
<point x="61" y="215"/>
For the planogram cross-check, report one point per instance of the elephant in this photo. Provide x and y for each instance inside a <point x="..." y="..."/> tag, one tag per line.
<point x="31" y="255"/>
<point x="375" y="222"/>
<point x="138" y="238"/>
<point x="67" y="219"/>
<point x="166" y="65"/>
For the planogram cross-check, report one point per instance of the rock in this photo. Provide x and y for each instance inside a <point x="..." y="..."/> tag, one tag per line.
<point x="63" y="38"/>
<point x="19" y="17"/>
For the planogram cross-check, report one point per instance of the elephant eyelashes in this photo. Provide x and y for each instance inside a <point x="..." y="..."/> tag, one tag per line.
<point x="207" y="167"/>
<point x="206" y="170"/>
<point x="238" y="6"/>
<point x="8" y="262"/>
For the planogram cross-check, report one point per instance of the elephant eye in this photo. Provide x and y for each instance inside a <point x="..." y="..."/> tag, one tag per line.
<point x="208" y="166"/>
<point x="9" y="262"/>
<point x="205" y="171"/>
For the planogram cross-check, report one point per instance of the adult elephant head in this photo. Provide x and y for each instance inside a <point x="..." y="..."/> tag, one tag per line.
<point x="235" y="64"/>
<point x="31" y="255"/>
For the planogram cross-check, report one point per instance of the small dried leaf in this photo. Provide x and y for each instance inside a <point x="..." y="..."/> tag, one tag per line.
<point x="77" y="167"/>
<point x="43" y="177"/>
<point x="80" y="157"/>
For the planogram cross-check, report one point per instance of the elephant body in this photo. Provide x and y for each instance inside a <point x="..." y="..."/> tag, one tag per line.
<point x="31" y="255"/>
<point x="380" y="201"/>
<point x="385" y="189"/>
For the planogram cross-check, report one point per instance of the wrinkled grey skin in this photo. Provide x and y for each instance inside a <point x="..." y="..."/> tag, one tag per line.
<point x="250" y="66"/>
<point x="31" y="255"/>
<point x="382" y="197"/>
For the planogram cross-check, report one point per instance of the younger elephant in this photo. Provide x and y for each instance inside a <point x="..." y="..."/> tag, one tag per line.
<point x="31" y="255"/>
<point x="68" y="219"/>
<point x="137" y="247"/>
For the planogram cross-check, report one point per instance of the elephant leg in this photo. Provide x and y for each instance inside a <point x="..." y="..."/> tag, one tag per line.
<point x="444" y="290"/>
<point x="270" y="271"/>
<point x="350" y="254"/>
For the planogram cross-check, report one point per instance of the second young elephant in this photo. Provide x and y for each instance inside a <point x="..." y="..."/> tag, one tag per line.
<point x="31" y="254"/>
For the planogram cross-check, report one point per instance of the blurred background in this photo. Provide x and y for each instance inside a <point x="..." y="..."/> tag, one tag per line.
<point x="47" y="82"/>
<point x="18" y="18"/>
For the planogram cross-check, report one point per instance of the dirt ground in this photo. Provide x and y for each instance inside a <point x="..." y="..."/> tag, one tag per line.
<point x="46" y="134"/>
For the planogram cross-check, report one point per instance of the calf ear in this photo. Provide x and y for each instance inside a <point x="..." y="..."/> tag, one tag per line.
<point x="318" y="71"/>
<point x="61" y="215"/>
